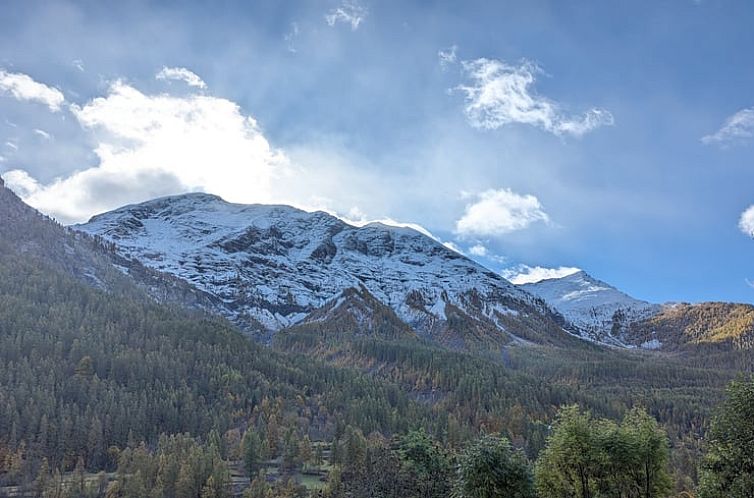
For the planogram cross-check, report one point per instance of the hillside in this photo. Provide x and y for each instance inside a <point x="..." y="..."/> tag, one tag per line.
<point x="720" y="325"/>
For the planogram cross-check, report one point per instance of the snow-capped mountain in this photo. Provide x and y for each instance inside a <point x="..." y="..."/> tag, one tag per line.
<point x="272" y="266"/>
<point x="599" y="311"/>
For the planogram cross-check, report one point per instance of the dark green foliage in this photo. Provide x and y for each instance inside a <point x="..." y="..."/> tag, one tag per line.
<point x="376" y="471"/>
<point x="82" y="370"/>
<point x="180" y="467"/>
<point x="728" y="468"/>
<point x="252" y="451"/>
<point x="490" y="468"/>
<point x="587" y="457"/>
<point x="428" y="463"/>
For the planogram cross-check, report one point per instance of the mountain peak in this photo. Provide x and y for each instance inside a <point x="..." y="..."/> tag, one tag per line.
<point x="599" y="310"/>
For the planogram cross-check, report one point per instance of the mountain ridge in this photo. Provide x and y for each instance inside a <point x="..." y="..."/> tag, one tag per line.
<point x="273" y="265"/>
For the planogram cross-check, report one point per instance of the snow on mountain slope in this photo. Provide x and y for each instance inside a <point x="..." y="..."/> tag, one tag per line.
<point x="273" y="265"/>
<point x="599" y="311"/>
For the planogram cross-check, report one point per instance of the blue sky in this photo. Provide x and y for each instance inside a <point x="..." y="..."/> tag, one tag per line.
<point x="609" y="136"/>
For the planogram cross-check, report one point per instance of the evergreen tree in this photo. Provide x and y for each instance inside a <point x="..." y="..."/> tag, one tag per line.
<point x="728" y="468"/>
<point x="490" y="468"/>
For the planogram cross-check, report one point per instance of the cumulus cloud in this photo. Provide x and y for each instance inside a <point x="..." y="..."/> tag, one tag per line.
<point x="498" y="212"/>
<point x="181" y="74"/>
<point x="23" y="87"/>
<point x="737" y="128"/>
<point x="349" y="12"/>
<point x="746" y="222"/>
<point x="153" y="145"/>
<point x="499" y="94"/>
<point x="524" y="274"/>
<point x="448" y="56"/>
<point x="20" y="182"/>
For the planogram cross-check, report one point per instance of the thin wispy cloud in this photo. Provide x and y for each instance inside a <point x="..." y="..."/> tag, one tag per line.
<point x="42" y="133"/>
<point x="349" y="12"/>
<point x="181" y="74"/>
<point x="524" y="274"/>
<point x="448" y="56"/>
<point x="738" y="128"/>
<point x="498" y="212"/>
<point x="499" y="94"/>
<point x="291" y="36"/>
<point x="23" y="87"/>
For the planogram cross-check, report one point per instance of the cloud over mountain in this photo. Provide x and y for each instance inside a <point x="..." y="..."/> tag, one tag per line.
<point x="498" y="93"/>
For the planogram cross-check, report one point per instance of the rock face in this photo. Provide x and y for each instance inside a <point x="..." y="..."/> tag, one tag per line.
<point x="273" y="266"/>
<point x="597" y="311"/>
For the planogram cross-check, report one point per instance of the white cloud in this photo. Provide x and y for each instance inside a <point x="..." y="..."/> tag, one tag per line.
<point x="448" y="56"/>
<point x="43" y="134"/>
<point x="23" y="87"/>
<point x="497" y="212"/>
<point x="499" y="94"/>
<point x="737" y="128"/>
<point x="181" y="74"/>
<point x="11" y="145"/>
<point x="20" y="182"/>
<point x="478" y="250"/>
<point x="150" y="146"/>
<point x="746" y="222"/>
<point x="524" y="274"/>
<point x="349" y="12"/>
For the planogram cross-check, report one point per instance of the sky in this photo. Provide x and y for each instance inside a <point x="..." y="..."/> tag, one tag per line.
<point x="535" y="137"/>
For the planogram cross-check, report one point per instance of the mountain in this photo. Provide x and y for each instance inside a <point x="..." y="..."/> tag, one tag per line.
<point x="597" y="310"/>
<point x="272" y="266"/>
<point x="90" y="361"/>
